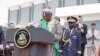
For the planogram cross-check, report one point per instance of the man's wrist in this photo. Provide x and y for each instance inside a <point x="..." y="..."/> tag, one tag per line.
<point x="79" y="52"/>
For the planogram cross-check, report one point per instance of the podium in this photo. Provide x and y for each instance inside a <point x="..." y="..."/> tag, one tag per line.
<point x="37" y="43"/>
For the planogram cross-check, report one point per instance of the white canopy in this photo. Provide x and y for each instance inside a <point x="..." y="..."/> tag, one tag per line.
<point x="78" y="10"/>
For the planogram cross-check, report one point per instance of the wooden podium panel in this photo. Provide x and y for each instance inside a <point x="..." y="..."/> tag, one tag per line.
<point x="25" y="52"/>
<point x="32" y="50"/>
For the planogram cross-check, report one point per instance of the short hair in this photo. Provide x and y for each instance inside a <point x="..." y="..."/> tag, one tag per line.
<point x="79" y="16"/>
<point x="93" y="24"/>
<point x="10" y="24"/>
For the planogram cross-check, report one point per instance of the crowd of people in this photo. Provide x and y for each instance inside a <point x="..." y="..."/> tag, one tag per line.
<point x="70" y="41"/>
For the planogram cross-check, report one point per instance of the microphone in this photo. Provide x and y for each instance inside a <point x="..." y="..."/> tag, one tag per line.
<point x="32" y="24"/>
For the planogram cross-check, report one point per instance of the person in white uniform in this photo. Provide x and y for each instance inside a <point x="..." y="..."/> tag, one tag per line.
<point x="93" y="39"/>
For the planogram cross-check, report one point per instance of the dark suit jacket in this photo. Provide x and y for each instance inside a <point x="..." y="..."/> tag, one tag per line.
<point x="83" y="34"/>
<point x="75" y="38"/>
<point x="1" y="36"/>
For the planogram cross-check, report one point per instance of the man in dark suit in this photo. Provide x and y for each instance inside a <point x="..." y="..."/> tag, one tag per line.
<point x="1" y="35"/>
<point x="1" y="41"/>
<point x="9" y="47"/>
<point x="83" y="30"/>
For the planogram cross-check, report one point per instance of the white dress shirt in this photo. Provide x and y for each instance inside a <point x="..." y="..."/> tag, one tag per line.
<point x="97" y="36"/>
<point x="80" y="25"/>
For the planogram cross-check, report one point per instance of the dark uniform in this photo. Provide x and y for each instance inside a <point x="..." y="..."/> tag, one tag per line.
<point x="74" y="48"/>
<point x="1" y="35"/>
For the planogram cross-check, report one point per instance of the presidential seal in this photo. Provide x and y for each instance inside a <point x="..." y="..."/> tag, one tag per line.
<point x="22" y="38"/>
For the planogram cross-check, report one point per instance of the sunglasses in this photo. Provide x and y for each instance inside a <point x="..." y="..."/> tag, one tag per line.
<point x="71" y="22"/>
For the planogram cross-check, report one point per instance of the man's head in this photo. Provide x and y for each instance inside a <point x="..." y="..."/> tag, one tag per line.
<point x="47" y="14"/>
<point x="80" y="19"/>
<point x="71" y="21"/>
<point x="93" y="26"/>
<point x="11" y="25"/>
<point x="57" y="19"/>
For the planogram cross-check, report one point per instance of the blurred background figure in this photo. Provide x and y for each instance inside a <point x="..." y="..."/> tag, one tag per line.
<point x="1" y="41"/>
<point x="11" y="45"/>
<point x="1" y="35"/>
<point x="93" y="41"/>
<point x="57" y="31"/>
<point x="83" y="30"/>
<point x="11" y="25"/>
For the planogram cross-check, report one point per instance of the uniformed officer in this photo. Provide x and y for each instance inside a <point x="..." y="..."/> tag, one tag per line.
<point x="72" y="39"/>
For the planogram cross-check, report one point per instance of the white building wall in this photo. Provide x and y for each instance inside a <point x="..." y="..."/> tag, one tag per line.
<point x="90" y="1"/>
<point x="13" y="14"/>
<point x="54" y="4"/>
<point x="70" y="2"/>
<point x="37" y="14"/>
<point x="90" y="17"/>
<point x="18" y="2"/>
<point x="38" y="7"/>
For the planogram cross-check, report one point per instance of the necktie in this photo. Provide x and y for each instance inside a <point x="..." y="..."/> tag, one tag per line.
<point x="70" y="32"/>
<point x="93" y="37"/>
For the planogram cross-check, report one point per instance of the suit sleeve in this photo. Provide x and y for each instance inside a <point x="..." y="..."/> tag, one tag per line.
<point x="88" y="35"/>
<point x="2" y="36"/>
<point x="85" y="30"/>
<point x="79" y="41"/>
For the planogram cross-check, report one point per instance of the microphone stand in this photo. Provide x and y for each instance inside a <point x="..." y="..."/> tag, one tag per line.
<point x="32" y="24"/>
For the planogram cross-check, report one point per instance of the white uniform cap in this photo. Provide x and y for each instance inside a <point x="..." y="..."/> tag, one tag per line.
<point x="47" y="9"/>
